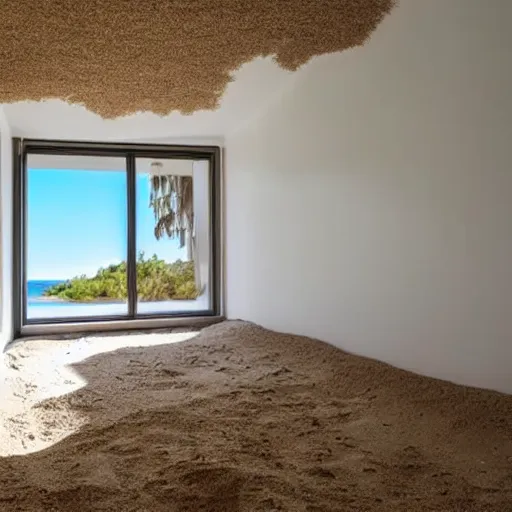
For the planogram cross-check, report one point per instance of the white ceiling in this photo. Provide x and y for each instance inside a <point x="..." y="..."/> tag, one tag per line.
<point x="255" y="85"/>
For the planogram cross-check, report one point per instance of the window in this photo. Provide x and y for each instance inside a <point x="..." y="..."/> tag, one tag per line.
<point x="116" y="233"/>
<point x="172" y="234"/>
<point x="76" y="243"/>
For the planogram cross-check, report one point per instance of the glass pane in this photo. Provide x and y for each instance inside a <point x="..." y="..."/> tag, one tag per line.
<point x="76" y="235"/>
<point x="173" y="236"/>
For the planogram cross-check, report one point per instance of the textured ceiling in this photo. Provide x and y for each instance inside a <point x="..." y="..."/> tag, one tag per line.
<point x="125" y="56"/>
<point x="255" y="87"/>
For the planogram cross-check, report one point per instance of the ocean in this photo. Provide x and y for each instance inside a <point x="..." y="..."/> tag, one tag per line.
<point x="38" y="307"/>
<point x="36" y="289"/>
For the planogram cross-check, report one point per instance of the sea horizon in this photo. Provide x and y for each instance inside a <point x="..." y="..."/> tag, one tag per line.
<point x="36" y="289"/>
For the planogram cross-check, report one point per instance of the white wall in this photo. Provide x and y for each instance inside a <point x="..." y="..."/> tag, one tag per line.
<point x="371" y="206"/>
<point x="5" y="231"/>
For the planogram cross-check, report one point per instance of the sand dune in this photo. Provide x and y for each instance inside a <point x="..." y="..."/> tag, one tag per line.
<point x="243" y="419"/>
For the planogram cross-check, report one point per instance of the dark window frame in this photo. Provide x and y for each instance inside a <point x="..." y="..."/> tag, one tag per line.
<point x="23" y="147"/>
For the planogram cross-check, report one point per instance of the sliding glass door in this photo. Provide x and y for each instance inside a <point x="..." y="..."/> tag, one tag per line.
<point x="115" y="232"/>
<point x="173" y="256"/>
<point x="76" y="248"/>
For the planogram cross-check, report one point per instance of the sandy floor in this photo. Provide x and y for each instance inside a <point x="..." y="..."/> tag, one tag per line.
<point x="242" y="419"/>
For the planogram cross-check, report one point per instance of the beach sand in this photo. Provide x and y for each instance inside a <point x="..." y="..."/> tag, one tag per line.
<point x="239" y="418"/>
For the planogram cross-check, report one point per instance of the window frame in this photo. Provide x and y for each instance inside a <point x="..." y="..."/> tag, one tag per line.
<point x="132" y="320"/>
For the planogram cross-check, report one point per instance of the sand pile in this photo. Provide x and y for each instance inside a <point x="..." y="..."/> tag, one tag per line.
<point x="125" y="56"/>
<point x="240" y="419"/>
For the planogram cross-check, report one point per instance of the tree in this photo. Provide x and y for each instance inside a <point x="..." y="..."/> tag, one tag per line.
<point x="172" y="201"/>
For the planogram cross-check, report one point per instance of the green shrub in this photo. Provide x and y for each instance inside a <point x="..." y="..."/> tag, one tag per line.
<point x="156" y="280"/>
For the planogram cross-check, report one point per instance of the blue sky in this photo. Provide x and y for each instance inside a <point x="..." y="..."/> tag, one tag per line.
<point x="77" y="223"/>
